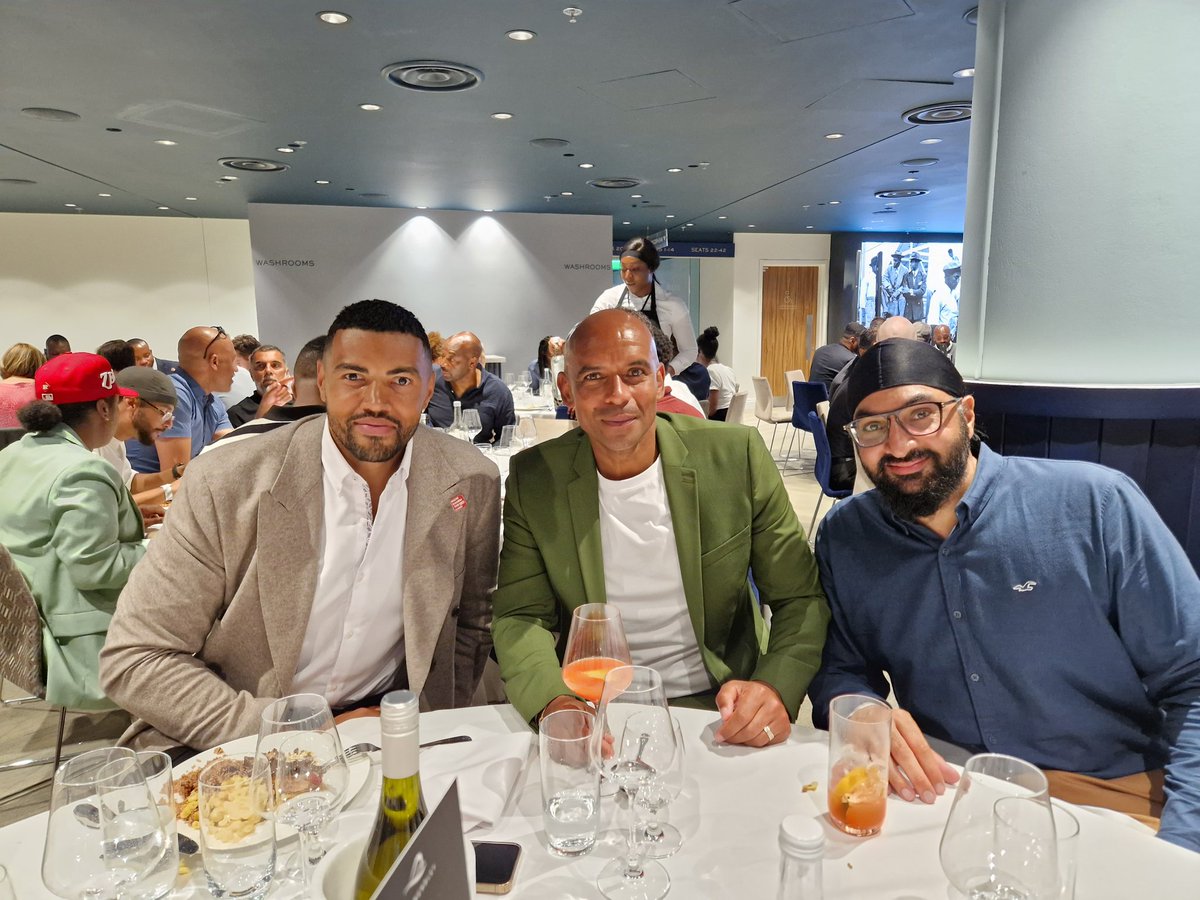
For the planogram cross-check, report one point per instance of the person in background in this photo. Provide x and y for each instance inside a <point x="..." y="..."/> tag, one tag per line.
<point x="347" y="555"/>
<point x="269" y="369"/>
<point x="118" y="353"/>
<point x="143" y="418"/>
<point x="1034" y="607"/>
<point x="70" y="525"/>
<point x="944" y="303"/>
<point x="695" y="378"/>
<point x="206" y="365"/>
<point x="17" y="368"/>
<point x="243" y="381"/>
<point x="675" y="398"/>
<point x="893" y="286"/>
<point x="830" y="359"/>
<point x="662" y="516"/>
<point x="640" y="292"/>
<point x="437" y="346"/>
<point x="943" y="342"/>
<point x="923" y="332"/>
<point x="465" y="380"/>
<point x="56" y="344"/>
<point x="549" y="348"/>
<point x="144" y="356"/>
<point x="723" y="384"/>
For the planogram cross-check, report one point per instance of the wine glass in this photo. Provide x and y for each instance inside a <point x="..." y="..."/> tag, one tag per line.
<point x="663" y="839"/>
<point x="311" y="777"/>
<point x="968" y="842"/>
<point x="527" y="431"/>
<point x="472" y="424"/>
<point x="1024" y="850"/>
<point x="596" y="645"/>
<point x="103" y="835"/>
<point x="526" y="380"/>
<point x="634" y="740"/>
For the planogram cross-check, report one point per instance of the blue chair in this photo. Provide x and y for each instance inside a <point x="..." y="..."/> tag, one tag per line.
<point x="805" y="397"/>
<point x="823" y="465"/>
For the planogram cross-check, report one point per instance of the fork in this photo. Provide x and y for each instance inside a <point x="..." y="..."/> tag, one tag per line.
<point x="354" y="751"/>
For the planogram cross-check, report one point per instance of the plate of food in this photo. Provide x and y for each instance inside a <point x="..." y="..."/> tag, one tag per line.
<point x="238" y="756"/>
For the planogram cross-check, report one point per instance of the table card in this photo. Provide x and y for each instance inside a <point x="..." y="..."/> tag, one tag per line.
<point x="434" y="864"/>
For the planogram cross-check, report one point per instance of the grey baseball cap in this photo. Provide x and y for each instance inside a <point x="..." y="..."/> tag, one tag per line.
<point x="152" y="385"/>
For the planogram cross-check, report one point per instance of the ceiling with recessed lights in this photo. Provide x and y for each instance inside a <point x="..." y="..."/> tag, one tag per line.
<point x="703" y="116"/>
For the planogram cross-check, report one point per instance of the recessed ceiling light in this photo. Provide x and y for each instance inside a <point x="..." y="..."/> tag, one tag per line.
<point x="370" y="107"/>
<point x="568" y="193"/>
<point x="422" y="207"/>
<point x="489" y="210"/>
<point x="689" y="224"/>
<point x="502" y="116"/>
<point x="674" y="171"/>
<point x="189" y="198"/>
<point x="164" y="207"/>
<point x="892" y="203"/>
<point x="229" y="178"/>
<point x="285" y="149"/>
<point x="671" y="216"/>
<point x="321" y="181"/>
<point x="636" y="196"/>
<point x="932" y="141"/>
<point x="908" y="179"/>
<point x="104" y="195"/>
<point x="332" y="17"/>
<point x="834" y="202"/>
<point x="965" y="73"/>
<point x="520" y="34"/>
<point x="834" y="135"/>
<point x="625" y="223"/>
<point x="166" y="143"/>
<point x="69" y="205"/>
<point x="751" y="226"/>
<point x="722" y="217"/>
<point x="806" y="226"/>
<point x="587" y="166"/>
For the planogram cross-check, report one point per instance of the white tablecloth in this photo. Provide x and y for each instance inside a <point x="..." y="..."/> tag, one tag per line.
<point x="729" y="813"/>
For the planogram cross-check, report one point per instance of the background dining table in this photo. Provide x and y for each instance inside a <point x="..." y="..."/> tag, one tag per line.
<point x="729" y="812"/>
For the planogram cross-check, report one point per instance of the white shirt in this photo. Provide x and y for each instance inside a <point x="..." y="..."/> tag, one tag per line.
<point x="354" y="642"/>
<point x="679" y="391"/>
<point x="722" y="379"/>
<point x="642" y="579"/>
<point x="113" y="453"/>
<point x="673" y="318"/>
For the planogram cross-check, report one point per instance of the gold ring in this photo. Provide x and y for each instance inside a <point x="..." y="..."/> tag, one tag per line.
<point x="768" y="732"/>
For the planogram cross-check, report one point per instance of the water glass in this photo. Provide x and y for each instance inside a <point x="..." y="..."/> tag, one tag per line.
<point x="237" y="831"/>
<point x="156" y="769"/>
<point x="570" y="783"/>
<point x="1035" y="850"/>
<point x="103" y="835"/>
<point x="505" y="441"/>
<point x="860" y="732"/>
<point x="527" y="431"/>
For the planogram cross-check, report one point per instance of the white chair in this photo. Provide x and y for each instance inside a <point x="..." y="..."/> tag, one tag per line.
<point x="769" y="409"/>
<point x="737" y="408"/>
<point x="552" y="428"/>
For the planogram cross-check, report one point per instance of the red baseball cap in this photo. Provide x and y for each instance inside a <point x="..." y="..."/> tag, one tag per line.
<point x="77" y="378"/>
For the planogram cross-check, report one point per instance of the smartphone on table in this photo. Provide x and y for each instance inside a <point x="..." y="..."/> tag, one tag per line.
<point x="495" y="866"/>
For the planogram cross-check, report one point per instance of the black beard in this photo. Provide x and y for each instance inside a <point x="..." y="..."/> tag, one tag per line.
<point x="372" y="450"/>
<point x="934" y="489"/>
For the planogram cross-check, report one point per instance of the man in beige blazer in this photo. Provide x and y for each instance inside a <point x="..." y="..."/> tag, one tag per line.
<point x="280" y="568"/>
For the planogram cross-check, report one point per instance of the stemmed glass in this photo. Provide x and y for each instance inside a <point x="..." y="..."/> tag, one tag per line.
<point x="527" y="431"/>
<point x="634" y="745"/>
<point x="596" y="645"/>
<point x="472" y="424"/>
<point x="104" y="835"/>
<point x="311" y="777"/>
<point x="526" y="380"/>
<point x="968" y="848"/>
<point x="663" y="839"/>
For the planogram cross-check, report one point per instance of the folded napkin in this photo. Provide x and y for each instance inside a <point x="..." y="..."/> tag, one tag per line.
<point x="487" y="769"/>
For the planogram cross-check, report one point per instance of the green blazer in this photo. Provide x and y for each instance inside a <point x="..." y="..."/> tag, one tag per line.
<point x="731" y="514"/>
<point x="75" y="533"/>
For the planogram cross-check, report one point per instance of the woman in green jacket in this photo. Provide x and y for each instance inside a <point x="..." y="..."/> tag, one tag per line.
<point x="71" y="526"/>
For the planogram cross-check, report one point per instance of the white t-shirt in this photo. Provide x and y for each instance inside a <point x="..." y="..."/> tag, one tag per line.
<point x="113" y="453"/>
<point x="722" y="379"/>
<point x="674" y="318"/>
<point x="642" y="579"/>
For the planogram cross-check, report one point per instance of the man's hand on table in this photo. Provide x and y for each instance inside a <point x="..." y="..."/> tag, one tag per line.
<point x="753" y="714"/>
<point x="927" y="773"/>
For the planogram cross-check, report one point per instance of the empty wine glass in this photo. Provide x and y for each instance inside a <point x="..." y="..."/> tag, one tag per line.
<point x="527" y="431"/>
<point x="311" y="777"/>
<point x="1024" y="851"/>
<point x="596" y="645"/>
<point x="472" y="424"/>
<point x="103" y="835"/>
<point x="663" y="839"/>
<point x="968" y="842"/>
<point x="526" y="380"/>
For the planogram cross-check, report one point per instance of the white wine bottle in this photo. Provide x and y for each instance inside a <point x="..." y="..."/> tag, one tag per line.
<point x="400" y="808"/>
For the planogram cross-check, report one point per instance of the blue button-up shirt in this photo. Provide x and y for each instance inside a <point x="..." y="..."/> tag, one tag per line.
<point x="1059" y="622"/>
<point x="198" y="415"/>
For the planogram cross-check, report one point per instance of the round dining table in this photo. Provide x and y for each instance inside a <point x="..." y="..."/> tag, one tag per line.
<point x="729" y="811"/>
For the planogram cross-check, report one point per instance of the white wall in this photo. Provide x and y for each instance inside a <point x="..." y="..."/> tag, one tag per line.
<point x="716" y="304"/>
<point x="96" y="278"/>
<point x="1080" y="227"/>
<point x="752" y="251"/>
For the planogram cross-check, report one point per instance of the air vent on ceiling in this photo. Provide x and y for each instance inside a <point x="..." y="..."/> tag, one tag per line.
<point x="373" y="195"/>
<point x="614" y="184"/>
<point x="432" y="75"/>
<point x="18" y="181"/>
<point x="49" y="114"/>
<point x="971" y="16"/>
<point x="939" y="113"/>
<point x="550" y="143"/>
<point x="880" y="212"/>
<point x="900" y="193"/>
<point x="919" y="161"/>
<point x="244" y="164"/>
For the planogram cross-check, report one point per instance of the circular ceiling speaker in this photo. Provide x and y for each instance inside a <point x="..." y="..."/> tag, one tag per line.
<point x="550" y="143"/>
<point x="17" y="181"/>
<point x="49" y="114"/>
<point x="971" y="16"/>
<point x="939" y="113"/>
<point x="244" y="164"/>
<point x="919" y="161"/>
<point x="614" y="184"/>
<point x="901" y="193"/>
<point x="432" y="75"/>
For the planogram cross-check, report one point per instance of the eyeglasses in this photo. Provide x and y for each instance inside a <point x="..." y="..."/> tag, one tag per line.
<point x="216" y="337"/>
<point x="919" y="420"/>
<point x="167" y="414"/>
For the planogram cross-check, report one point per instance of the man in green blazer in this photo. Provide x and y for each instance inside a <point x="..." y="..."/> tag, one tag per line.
<point x="666" y="517"/>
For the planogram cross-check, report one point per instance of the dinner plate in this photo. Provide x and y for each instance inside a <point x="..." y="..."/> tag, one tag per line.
<point x="360" y="768"/>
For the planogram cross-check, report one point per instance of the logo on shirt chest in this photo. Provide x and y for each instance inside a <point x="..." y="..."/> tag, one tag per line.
<point x="1025" y="588"/>
<point x="459" y="503"/>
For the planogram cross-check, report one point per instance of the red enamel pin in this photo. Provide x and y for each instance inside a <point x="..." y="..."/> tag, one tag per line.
<point x="459" y="503"/>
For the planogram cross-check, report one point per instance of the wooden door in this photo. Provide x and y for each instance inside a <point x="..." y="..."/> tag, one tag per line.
<point x="789" y="313"/>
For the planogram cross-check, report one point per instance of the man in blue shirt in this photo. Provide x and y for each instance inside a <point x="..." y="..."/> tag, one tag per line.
<point x="206" y="364"/>
<point x="1038" y="608"/>
<point x="464" y="379"/>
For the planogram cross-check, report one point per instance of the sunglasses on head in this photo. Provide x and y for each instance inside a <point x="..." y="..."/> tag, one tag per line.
<point x="216" y="337"/>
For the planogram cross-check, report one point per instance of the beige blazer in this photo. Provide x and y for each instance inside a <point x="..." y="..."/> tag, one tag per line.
<point x="208" y="630"/>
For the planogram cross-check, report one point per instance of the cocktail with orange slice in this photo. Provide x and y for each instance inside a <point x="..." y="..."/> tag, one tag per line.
<point x="860" y="730"/>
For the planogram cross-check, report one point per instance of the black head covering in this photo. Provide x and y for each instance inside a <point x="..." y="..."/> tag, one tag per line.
<point x="897" y="362"/>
